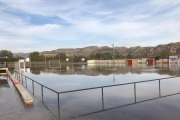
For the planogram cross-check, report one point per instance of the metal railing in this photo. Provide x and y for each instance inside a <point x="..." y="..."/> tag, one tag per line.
<point x="19" y="77"/>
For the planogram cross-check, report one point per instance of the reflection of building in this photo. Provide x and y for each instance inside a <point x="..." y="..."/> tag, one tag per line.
<point x="150" y="62"/>
<point x="174" y="67"/>
<point x="142" y="60"/>
<point x="3" y="84"/>
<point x="121" y="61"/>
<point x="130" y="62"/>
<point x="165" y="65"/>
<point x="162" y="61"/>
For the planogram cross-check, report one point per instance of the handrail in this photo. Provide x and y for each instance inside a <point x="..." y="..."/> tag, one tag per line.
<point x="116" y="85"/>
<point x="100" y="86"/>
<point x="17" y="75"/>
<point x="125" y="105"/>
<point x="38" y="82"/>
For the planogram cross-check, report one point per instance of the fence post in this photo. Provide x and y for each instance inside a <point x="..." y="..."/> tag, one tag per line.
<point x="58" y="106"/>
<point x="19" y="77"/>
<point x="159" y="88"/>
<point x="102" y="99"/>
<point x="42" y="91"/>
<point x="135" y="92"/>
<point x="33" y="86"/>
<point x="58" y="98"/>
<point x="22" y="79"/>
<point x="26" y="81"/>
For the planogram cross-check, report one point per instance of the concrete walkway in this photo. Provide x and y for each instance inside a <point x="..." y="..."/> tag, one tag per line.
<point x="12" y="107"/>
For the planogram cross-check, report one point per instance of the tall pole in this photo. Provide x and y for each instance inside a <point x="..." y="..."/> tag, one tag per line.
<point x="30" y="59"/>
<point x="45" y="59"/>
<point x="59" y="60"/>
<point x="59" y="56"/>
<point x="113" y="52"/>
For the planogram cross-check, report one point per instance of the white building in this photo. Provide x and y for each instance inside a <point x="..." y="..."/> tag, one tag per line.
<point x="174" y="59"/>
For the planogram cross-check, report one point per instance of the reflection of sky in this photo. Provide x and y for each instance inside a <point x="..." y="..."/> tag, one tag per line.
<point x="79" y="81"/>
<point x="71" y="82"/>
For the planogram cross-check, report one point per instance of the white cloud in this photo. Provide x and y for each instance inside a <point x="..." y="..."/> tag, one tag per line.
<point x="127" y="25"/>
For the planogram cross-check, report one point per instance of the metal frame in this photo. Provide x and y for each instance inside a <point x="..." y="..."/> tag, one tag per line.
<point x="55" y="67"/>
<point x="19" y="77"/>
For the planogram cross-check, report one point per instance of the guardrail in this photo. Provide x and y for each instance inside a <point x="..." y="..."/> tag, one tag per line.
<point x="19" y="77"/>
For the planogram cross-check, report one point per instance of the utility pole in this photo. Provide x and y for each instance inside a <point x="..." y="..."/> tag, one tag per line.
<point x="113" y="53"/>
<point x="59" y="59"/>
<point x="45" y="59"/>
<point x="59" y="56"/>
<point x="30" y="59"/>
<point x="72" y="59"/>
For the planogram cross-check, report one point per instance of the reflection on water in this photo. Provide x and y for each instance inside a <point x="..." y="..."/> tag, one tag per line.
<point x="3" y="84"/>
<point x="96" y="70"/>
<point x="149" y="100"/>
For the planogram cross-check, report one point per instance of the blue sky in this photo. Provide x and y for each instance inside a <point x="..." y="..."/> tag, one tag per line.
<point x="39" y="25"/>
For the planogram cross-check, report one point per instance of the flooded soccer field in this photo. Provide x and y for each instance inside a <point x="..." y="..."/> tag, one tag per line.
<point x="131" y="99"/>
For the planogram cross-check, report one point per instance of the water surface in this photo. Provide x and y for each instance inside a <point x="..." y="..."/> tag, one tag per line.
<point x="148" y="100"/>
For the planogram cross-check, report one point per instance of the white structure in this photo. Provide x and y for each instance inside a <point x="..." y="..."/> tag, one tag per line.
<point x="24" y="64"/>
<point x="174" y="59"/>
<point x="83" y="59"/>
<point x="54" y="64"/>
<point x="26" y="59"/>
<point x="21" y="61"/>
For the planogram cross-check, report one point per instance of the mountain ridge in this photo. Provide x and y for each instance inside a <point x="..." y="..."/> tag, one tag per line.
<point x="122" y="50"/>
<point x="135" y="51"/>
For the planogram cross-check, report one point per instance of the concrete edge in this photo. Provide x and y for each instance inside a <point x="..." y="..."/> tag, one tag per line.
<point x="26" y="97"/>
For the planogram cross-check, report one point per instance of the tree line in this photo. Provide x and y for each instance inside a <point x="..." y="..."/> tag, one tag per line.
<point x="10" y="57"/>
<point x="36" y="56"/>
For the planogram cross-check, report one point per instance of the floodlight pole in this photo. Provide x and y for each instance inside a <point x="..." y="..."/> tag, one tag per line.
<point x="30" y="59"/>
<point x="45" y="59"/>
<point x="59" y="59"/>
<point x="59" y="56"/>
<point x="113" y="53"/>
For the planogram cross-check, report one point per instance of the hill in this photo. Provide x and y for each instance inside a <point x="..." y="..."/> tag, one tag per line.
<point x="135" y="51"/>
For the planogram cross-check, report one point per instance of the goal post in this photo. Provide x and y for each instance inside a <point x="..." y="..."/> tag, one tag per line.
<point x="54" y="64"/>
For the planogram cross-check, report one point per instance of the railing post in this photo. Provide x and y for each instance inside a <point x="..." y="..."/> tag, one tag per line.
<point x="33" y="86"/>
<point x="135" y="92"/>
<point x="15" y="74"/>
<point x="159" y="88"/>
<point x="42" y="91"/>
<point x="58" y="105"/>
<point x="22" y="79"/>
<point x="26" y="81"/>
<point x="58" y="98"/>
<point x="19" y="77"/>
<point x="102" y="99"/>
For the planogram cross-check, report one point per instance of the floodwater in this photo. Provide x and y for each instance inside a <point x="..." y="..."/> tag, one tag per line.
<point x="140" y="101"/>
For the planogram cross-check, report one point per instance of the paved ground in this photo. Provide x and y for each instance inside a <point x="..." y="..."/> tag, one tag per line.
<point x="12" y="107"/>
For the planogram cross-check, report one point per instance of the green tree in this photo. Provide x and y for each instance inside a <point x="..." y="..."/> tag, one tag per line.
<point x="121" y="56"/>
<point x="163" y="55"/>
<point x="62" y="56"/>
<point x="129" y="56"/>
<point x="6" y="53"/>
<point x="35" y="56"/>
